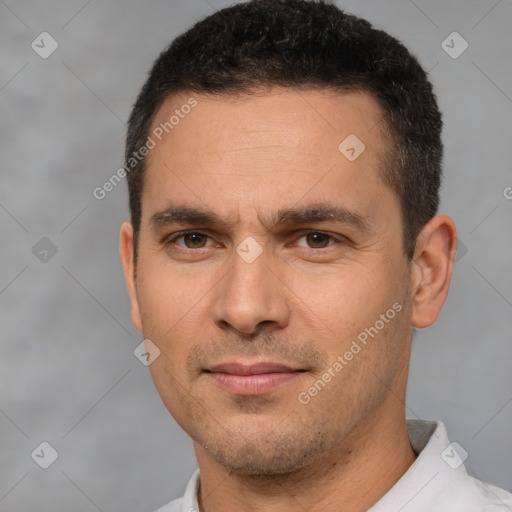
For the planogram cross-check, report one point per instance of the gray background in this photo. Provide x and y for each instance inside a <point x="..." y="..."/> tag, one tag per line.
<point x="68" y="374"/>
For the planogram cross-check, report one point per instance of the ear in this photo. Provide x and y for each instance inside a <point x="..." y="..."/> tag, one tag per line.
<point x="432" y="268"/>
<point x="126" y="250"/>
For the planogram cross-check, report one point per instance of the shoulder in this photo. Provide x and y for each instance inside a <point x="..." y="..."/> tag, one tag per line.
<point x="173" y="506"/>
<point x="188" y="502"/>
<point x="438" y="480"/>
<point x="486" y="497"/>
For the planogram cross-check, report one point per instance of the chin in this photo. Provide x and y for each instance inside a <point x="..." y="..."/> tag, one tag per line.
<point x="257" y="466"/>
<point x="260" y="457"/>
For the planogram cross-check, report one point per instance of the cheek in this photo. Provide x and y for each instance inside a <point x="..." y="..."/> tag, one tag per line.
<point x="166" y="321"/>
<point x="167" y="299"/>
<point x="346" y="298"/>
<point x="169" y="311"/>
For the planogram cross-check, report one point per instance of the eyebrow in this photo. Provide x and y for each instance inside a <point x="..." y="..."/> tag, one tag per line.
<point x="310" y="214"/>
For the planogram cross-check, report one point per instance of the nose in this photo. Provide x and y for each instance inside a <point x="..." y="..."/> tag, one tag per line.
<point x="251" y="298"/>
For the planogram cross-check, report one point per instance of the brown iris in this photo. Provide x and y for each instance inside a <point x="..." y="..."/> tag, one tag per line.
<point x="317" y="240"/>
<point x="194" y="240"/>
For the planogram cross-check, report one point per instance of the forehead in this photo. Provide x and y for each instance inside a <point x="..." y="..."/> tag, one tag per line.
<point x="268" y="148"/>
<point x="296" y="114"/>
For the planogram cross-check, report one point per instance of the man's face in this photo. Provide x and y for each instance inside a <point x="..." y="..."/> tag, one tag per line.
<point x="271" y="281"/>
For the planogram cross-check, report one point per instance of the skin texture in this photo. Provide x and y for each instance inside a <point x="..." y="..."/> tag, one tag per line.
<point x="302" y="302"/>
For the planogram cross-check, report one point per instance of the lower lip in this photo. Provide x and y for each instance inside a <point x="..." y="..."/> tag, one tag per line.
<point x="252" y="384"/>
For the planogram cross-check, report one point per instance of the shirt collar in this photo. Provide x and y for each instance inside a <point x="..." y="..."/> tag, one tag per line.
<point x="438" y="470"/>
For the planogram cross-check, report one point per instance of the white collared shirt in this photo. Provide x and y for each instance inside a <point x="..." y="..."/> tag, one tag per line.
<point x="437" y="481"/>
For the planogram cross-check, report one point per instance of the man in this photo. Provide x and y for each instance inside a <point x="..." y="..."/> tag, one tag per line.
<point x="284" y="163"/>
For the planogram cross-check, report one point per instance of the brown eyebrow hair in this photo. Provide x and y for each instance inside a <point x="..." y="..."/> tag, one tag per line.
<point x="309" y="214"/>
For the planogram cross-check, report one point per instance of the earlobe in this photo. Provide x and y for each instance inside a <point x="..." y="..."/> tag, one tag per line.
<point x="432" y="269"/>
<point x="127" y="258"/>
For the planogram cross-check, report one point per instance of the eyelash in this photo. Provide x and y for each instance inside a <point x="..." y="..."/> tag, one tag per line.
<point x="303" y="234"/>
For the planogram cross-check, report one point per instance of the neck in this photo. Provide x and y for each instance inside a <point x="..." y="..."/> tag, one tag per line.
<point x="369" y="462"/>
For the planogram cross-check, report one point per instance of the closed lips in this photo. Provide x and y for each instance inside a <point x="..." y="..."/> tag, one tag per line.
<point x="253" y="369"/>
<point x="252" y="379"/>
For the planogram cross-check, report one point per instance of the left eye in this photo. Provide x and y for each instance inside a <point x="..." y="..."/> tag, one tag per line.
<point x="316" y="240"/>
<point x="192" y="240"/>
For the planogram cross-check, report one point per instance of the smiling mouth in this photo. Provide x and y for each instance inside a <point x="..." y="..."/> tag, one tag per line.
<point x="252" y="379"/>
